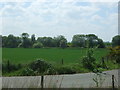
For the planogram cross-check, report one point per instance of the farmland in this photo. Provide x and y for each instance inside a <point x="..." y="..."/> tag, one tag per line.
<point x="53" y="55"/>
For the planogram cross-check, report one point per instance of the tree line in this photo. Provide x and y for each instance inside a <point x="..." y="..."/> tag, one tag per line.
<point x="79" y="40"/>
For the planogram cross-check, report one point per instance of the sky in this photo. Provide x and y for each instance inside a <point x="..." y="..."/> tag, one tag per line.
<point x="60" y="17"/>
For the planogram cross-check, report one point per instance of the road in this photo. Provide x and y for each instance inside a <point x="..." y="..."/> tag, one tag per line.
<point x="84" y="80"/>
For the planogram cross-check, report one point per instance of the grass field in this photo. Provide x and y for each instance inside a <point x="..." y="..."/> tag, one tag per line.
<point x="54" y="55"/>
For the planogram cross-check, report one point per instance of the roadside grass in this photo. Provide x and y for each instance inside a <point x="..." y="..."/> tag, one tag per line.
<point x="59" y="70"/>
<point x="64" y="69"/>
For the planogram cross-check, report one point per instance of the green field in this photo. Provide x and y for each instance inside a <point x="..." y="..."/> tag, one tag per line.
<point x="54" y="55"/>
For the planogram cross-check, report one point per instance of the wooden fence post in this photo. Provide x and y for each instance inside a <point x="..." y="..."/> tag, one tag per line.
<point x="113" y="86"/>
<point x="42" y="81"/>
<point x="62" y="62"/>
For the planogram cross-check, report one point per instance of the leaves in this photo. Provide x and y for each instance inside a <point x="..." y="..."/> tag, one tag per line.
<point x="114" y="53"/>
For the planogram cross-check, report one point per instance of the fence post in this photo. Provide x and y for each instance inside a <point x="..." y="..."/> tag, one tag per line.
<point x="113" y="86"/>
<point x="42" y="81"/>
<point x="62" y="62"/>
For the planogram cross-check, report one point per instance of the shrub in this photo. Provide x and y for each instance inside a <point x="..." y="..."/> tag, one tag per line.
<point x="114" y="54"/>
<point x="27" y="72"/>
<point x="40" y="66"/>
<point x="8" y="67"/>
<point x="89" y="61"/>
<point x="65" y="70"/>
<point x="51" y="71"/>
<point x="38" y="45"/>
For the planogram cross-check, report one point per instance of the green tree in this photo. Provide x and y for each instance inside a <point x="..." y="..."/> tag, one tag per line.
<point x="11" y="41"/>
<point x="116" y="41"/>
<point x="92" y="40"/>
<point x="33" y="39"/>
<point x="63" y="44"/>
<point x="46" y="41"/>
<point x="25" y="35"/>
<point x="4" y="41"/>
<point x="101" y="43"/>
<point x="59" y="40"/>
<point x="78" y="40"/>
<point x="26" y="43"/>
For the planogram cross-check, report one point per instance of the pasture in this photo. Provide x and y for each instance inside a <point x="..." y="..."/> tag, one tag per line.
<point x="53" y="55"/>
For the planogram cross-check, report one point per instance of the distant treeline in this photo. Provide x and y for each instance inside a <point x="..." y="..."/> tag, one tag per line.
<point x="79" y="40"/>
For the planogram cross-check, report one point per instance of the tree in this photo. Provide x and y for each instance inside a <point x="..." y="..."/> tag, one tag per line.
<point x="4" y="41"/>
<point x="10" y="41"/>
<point x="63" y="44"/>
<point x="33" y="39"/>
<point x="101" y="43"/>
<point x="59" y="40"/>
<point x="26" y="43"/>
<point x="25" y="35"/>
<point x="78" y="40"/>
<point x="46" y="41"/>
<point x="49" y="42"/>
<point x="92" y="40"/>
<point x="116" y="41"/>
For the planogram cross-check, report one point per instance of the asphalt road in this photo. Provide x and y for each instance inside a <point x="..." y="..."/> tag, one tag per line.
<point x="84" y="80"/>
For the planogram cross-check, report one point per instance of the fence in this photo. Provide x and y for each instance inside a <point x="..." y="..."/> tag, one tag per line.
<point x="61" y="81"/>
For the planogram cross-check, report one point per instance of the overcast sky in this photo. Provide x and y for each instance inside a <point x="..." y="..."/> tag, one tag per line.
<point x="52" y="18"/>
